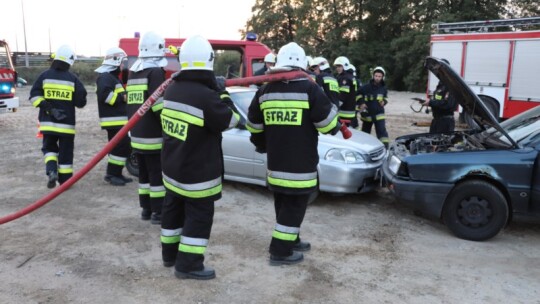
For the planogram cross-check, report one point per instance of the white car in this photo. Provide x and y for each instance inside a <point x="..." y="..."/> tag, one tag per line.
<point x="345" y="165"/>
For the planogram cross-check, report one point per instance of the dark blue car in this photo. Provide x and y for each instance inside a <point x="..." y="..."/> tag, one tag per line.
<point x="473" y="180"/>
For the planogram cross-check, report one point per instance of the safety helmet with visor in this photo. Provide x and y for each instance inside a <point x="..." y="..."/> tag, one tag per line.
<point x="196" y="53"/>
<point x="66" y="54"/>
<point x="291" y="55"/>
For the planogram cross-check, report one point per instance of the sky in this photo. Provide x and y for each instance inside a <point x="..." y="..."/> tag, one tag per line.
<point x="91" y="27"/>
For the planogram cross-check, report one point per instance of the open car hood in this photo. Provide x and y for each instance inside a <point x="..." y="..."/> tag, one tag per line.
<point x="470" y="102"/>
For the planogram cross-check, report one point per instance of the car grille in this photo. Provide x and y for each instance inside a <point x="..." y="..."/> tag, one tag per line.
<point x="376" y="155"/>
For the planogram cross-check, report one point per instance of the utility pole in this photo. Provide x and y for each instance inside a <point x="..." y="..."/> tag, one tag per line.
<point x="24" y="32"/>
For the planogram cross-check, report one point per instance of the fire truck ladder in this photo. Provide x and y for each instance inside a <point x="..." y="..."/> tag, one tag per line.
<point x="482" y="26"/>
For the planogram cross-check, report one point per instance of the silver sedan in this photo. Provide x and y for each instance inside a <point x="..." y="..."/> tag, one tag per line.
<point x="345" y="166"/>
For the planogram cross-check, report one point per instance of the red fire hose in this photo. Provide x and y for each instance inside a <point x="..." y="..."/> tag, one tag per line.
<point x="132" y="121"/>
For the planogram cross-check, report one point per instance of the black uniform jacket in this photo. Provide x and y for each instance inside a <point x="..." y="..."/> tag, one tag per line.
<point x="193" y="117"/>
<point x="284" y="119"/>
<point x="111" y="101"/>
<point x="374" y="96"/>
<point x="146" y="134"/>
<point x="442" y="104"/>
<point x="61" y="90"/>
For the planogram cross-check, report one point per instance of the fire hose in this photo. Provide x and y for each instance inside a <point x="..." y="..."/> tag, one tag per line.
<point x="132" y="121"/>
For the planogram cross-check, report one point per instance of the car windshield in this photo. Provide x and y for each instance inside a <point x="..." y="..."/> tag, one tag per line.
<point x="519" y="127"/>
<point x="242" y="100"/>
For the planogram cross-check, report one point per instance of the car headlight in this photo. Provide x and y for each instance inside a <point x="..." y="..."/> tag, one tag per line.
<point x="344" y="156"/>
<point x="394" y="164"/>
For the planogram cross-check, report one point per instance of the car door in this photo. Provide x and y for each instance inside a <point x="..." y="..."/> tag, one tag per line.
<point x="238" y="153"/>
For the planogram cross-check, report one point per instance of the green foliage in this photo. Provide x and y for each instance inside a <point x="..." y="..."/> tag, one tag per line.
<point x="394" y="34"/>
<point x="83" y="70"/>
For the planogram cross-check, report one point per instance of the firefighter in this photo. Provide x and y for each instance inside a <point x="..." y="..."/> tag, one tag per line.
<point x="284" y="119"/>
<point x="57" y="92"/>
<point x="443" y="104"/>
<point x="269" y="62"/>
<point x="145" y="76"/>
<point x="193" y="118"/>
<point x="347" y="91"/>
<point x="111" y="98"/>
<point x="325" y="79"/>
<point x="372" y="98"/>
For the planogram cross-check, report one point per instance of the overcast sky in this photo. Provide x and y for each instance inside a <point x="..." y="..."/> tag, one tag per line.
<point x="93" y="26"/>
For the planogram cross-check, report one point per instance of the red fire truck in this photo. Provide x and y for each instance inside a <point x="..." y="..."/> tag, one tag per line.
<point x="8" y="81"/>
<point x="245" y="56"/>
<point x="501" y="67"/>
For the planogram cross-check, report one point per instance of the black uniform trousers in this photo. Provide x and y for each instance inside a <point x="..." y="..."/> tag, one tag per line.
<point x="61" y="145"/>
<point x="442" y="124"/>
<point x="290" y="212"/>
<point x="380" y="126"/>
<point x="195" y="218"/>
<point x="150" y="173"/>
<point x="122" y="149"/>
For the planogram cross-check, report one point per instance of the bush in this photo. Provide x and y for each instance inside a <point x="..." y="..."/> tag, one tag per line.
<point x="84" y="70"/>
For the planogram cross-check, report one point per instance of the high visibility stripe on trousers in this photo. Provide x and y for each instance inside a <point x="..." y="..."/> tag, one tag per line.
<point x="285" y="233"/>
<point x="192" y="245"/>
<point x="170" y="236"/>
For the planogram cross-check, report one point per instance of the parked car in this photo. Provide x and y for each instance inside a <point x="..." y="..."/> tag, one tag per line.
<point x="474" y="180"/>
<point x="345" y="166"/>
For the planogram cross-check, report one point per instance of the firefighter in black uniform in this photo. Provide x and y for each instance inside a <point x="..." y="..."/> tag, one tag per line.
<point x="372" y="98"/>
<point x="325" y="79"/>
<point x="443" y="104"/>
<point x="57" y="92"/>
<point x="111" y="98"/>
<point x="269" y="61"/>
<point x="347" y="90"/>
<point x="284" y="119"/>
<point x="193" y="117"/>
<point x="145" y="76"/>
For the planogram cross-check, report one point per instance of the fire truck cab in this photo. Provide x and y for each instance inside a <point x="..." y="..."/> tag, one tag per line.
<point x="8" y="80"/>
<point x="501" y="67"/>
<point x="239" y="58"/>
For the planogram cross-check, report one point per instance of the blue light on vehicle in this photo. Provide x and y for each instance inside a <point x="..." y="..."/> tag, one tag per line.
<point x="344" y="156"/>
<point x="5" y="88"/>
<point x="250" y="36"/>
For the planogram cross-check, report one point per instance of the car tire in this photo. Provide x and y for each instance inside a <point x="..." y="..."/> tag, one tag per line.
<point x="132" y="165"/>
<point x="492" y="106"/>
<point x="475" y="210"/>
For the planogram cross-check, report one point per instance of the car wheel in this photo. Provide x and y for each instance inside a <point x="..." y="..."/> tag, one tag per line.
<point x="492" y="106"/>
<point x="132" y="165"/>
<point x="475" y="210"/>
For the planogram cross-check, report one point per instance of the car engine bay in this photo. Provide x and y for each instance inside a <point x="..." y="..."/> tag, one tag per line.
<point x="455" y="142"/>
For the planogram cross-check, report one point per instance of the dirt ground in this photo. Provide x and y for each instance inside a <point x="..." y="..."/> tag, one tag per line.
<point x="89" y="245"/>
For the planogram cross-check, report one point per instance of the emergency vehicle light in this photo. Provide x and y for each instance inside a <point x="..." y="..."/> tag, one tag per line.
<point x="250" y="36"/>
<point x="5" y="88"/>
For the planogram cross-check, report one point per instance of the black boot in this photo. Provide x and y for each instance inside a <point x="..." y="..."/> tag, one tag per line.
<point x="206" y="274"/>
<point x="126" y="179"/>
<point x="114" y="180"/>
<point x="53" y="177"/>
<point x="155" y="219"/>
<point x="294" y="258"/>
<point x="302" y="246"/>
<point x="145" y="214"/>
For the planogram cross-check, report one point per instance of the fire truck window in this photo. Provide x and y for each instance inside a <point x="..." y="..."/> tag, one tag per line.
<point x="256" y="65"/>
<point x="228" y="63"/>
<point x="4" y="60"/>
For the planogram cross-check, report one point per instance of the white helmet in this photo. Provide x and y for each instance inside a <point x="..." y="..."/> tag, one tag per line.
<point x="379" y="69"/>
<point x="270" y="57"/>
<point x="321" y="62"/>
<point x="196" y="53"/>
<point x="114" y="56"/>
<point x="66" y="54"/>
<point x="291" y="55"/>
<point x="343" y="61"/>
<point x="151" y="45"/>
<point x="309" y="60"/>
